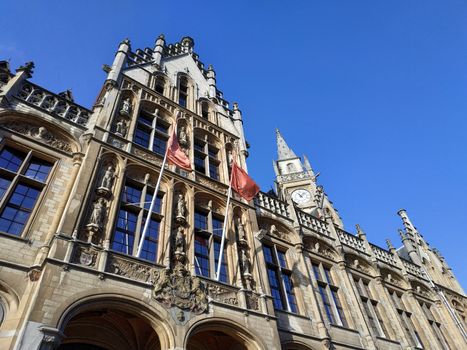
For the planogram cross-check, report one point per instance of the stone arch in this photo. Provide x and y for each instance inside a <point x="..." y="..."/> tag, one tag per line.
<point x="319" y="247"/>
<point x="422" y="289"/>
<point x="160" y="83"/>
<point x="206" y="334"/>
<point x="122" y="317"/>
<point x="359" y="263"/>
<point x="40" y="130"/>
<point x="9" y="301"/>
<point x="207" y="109"/>
<point x="393" y="277"/>
<point x="295" y="345"/>
<point x="277" y="228"/>
<point x="155" y="108"/>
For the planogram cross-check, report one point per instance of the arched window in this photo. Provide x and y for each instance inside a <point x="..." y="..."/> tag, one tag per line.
<point x="329" y="294"/>
<point x="291" y="167"/>
<point x="206" y="157"/>
<point x="280" y="279"/>
<point x="23" y="176"/>
<point x="159" y="85"/>
<point x="183" y="92"/>
<point x="133" y="212"/>
<point x="208" y="236"/>
<point x="152" y="132"/>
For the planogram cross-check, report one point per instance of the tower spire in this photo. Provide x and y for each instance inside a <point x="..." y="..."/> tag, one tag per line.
<point x="283" y="150"/>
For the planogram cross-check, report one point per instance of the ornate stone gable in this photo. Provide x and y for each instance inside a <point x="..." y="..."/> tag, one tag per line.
<point x="177" y="288"/>
<point x="39" y="133"/>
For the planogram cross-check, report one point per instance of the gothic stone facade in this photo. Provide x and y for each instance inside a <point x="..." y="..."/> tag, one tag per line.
<point x="74" y="190"/>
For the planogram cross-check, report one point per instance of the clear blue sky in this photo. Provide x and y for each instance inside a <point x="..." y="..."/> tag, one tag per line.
<point x="374" y="92"/>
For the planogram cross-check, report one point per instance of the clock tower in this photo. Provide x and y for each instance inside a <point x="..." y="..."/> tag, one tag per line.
<point x="296" y="181"/>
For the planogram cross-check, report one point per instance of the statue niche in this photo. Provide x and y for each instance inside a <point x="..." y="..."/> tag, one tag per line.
<point x="106" y="182"/>
<point x="180" y="209"/>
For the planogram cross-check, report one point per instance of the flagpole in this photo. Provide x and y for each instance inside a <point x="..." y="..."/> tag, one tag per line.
<point x="153" y="201"/>
<point x="221" y="252"/>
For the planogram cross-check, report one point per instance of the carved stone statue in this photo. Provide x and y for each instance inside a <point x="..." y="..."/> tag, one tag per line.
<point x="241" y="231"/>
<point x="126" y="107"/>
<point x="98" y="213"/>
<point x="108" y="178"/>
<point x="181" y="208"/>
<point x="245" y="262"/>
<point x="179" y="245"/>
<point x="121" y="128"/>
<point x="183" y="137"/>
<point x="230" y="157"/>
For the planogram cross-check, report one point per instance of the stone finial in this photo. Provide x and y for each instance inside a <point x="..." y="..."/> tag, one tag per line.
<point x="161" y="36"/>
<point x="27" y="67"/>
<point x="125" y="41"/>
<point x="360" y="232"/>
<point x="389" y="244"/>
<point x="402" y="234"/>
<point x="235" y="106"/>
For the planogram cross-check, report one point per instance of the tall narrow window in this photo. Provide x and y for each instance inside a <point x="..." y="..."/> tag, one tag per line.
<point x="328" y="293"/>
<point x="205" y="110"/>
<point x="183" y="92"/>
<point x="280" y="279"/>
<point x="134" y="206"/>
<point x="406" y="320"/>
<point x="159" y="85"/>
<point x="370" y="306"/>
<point x="435" y="326"/>
<point x="151" y="132"/>
<point x="22" y="179"/>
<point x="208" y="236"/>
<point x="206" y="158"/>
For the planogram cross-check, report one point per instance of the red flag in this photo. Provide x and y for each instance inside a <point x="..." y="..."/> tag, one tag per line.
<point x="242" y="183"/>
<point x="175" y="155"/>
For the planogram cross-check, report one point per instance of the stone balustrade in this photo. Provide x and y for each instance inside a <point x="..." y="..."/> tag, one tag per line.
<point x="263" y="201"/>
<point x="383" y="255"/>
<point x="54" y="104"/>
<point x="413" y="269"/>
<point x="351" y="241"/>
<point x="315" y="224"/>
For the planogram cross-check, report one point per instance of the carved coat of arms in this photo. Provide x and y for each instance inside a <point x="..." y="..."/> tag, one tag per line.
<point x="178" y="288"/>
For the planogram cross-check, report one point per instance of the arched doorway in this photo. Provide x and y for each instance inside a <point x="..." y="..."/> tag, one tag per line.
<point x="214" y="340"/>
<point x="109" y="329"/>
<point x="221" y="335"/>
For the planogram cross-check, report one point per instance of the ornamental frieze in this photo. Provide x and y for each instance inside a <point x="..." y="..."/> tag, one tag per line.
<point x="178" y="288"/>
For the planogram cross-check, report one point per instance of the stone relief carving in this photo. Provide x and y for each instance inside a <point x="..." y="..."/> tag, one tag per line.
<point x="85" y="256"/>
<point x="132" y="270"/>
<point x="145" y="155"/>
<point x="177" y="288"/>
<point x="320" y="249"/>
<point x="279" y="234"/>
<point x="211" y="184"/>
<point x="222" y="295"/>
<point x="39" y="133"/>
<point x="358" y="264"/>
<point x="252" y="301"/>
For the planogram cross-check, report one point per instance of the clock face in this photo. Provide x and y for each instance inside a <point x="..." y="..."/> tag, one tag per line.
<point x="301" y="196"/>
